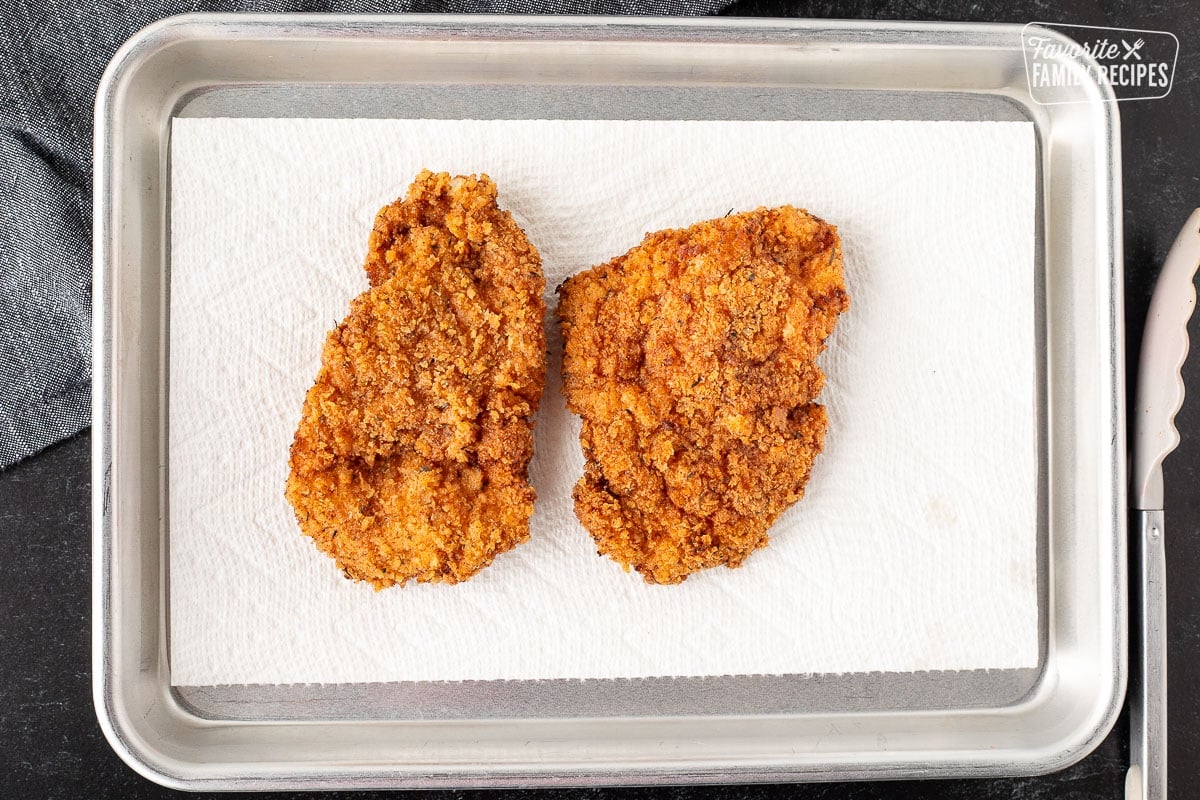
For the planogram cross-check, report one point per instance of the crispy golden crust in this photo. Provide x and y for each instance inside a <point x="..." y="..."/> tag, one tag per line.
<point x="691" y="360"/>
<point x="411" y="457"/>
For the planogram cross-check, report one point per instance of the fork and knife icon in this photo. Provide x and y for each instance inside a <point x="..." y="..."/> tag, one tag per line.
<point x="1132" y="49"/>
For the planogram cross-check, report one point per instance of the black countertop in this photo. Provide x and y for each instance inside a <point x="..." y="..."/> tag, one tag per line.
<point x="51" y="745"/>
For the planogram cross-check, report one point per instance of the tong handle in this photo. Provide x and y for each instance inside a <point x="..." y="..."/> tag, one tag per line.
<point x="1147" y="776"/>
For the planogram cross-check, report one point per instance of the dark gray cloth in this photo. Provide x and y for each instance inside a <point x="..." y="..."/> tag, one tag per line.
<point x="52" y="53"/>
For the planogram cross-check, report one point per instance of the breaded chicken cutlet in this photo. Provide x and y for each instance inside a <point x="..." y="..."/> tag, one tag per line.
<point x="692" y="362"/>
<point x="411" y="457"/>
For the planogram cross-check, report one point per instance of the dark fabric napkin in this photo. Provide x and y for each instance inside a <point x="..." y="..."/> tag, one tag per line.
<point x="52" y="53"/>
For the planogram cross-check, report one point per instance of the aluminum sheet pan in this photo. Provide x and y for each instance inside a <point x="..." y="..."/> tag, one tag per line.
<point x="682" y="730"/>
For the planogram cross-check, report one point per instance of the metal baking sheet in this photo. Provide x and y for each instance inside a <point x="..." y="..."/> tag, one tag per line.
<point x="732" y="729"/>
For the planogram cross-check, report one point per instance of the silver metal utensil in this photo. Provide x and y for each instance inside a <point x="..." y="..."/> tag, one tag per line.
<point x="1159" y="396"/>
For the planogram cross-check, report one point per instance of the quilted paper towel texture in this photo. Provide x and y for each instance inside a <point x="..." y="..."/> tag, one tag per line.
<point x="914" y="548"/>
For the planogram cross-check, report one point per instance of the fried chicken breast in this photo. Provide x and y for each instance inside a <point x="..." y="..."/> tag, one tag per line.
<point x="691" y="360"/>
<point x="411" y="457"/>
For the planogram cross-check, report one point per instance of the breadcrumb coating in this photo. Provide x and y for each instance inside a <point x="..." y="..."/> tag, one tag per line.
<point x="692" y="362"/>
<point x="412" y="453"/>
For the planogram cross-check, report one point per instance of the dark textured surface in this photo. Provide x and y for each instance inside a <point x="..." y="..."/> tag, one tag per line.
<point x="51" y="746"/>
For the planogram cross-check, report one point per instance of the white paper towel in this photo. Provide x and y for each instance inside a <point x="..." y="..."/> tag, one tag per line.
<point x="914" y="548"/>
